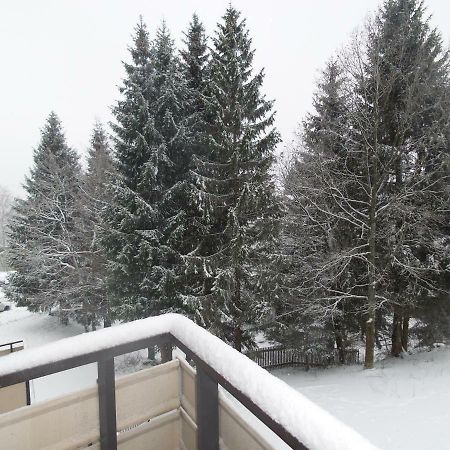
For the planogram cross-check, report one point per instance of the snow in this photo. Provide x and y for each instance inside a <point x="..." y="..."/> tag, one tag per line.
<point x="39" y="329"/>
<point x="401" y="404"/>
<point x="296" y="413"/>
<point x="3" y="277"/>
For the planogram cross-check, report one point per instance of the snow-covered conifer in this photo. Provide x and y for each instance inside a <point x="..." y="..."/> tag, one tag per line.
<point x="95" y="198"/>
<point x="234" y="187"/>
<point x="147" y="218"/>
<point x="388" y="184"/>
<point x="42" y="250"/>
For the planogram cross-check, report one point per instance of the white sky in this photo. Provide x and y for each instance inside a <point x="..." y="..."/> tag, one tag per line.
<point x="65" y="55"/>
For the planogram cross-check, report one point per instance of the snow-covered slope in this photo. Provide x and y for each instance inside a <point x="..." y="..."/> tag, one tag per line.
<point x="401" y="404"/>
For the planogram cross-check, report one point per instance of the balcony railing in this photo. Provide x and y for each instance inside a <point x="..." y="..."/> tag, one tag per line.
<point x="18" y="395"/>
<point x="294" y="419"/>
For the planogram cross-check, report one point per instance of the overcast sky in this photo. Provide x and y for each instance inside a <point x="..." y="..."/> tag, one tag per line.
<point x="65" y="56"/>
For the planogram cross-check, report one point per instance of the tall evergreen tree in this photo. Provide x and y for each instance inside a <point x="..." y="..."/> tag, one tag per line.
<point x="235" y="188"/>
<point x="195" y="60"/>
<point x="94" y="199"/>
<point x="317" y="240"/>
<point x="414" y="126"/>
<point x="194" y="67"/>
<point x="147" y="220"/>
<point x="177" y="120"/>
<point x="129" y="211"/>
<point x="388" y="187"/>
<point x="42" y="250"/>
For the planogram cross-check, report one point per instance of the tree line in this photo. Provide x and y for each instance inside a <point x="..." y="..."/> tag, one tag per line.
<point x="367" y="191"/>
<point x="181" y="212"/>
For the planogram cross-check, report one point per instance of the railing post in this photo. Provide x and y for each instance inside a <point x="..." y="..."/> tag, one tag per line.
<point x="107" y="404"/>
<point x="207" y="396"/>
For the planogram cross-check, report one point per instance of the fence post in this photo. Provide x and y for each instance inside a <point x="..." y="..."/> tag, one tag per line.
<point x="207" y="396"/>
<point x="107" y="404"/>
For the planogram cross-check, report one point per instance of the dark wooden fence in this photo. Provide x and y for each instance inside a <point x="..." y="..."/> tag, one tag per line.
<point x="271" y="357"/>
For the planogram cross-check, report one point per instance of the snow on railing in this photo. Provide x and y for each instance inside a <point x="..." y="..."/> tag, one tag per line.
<point x="308" y="423"/>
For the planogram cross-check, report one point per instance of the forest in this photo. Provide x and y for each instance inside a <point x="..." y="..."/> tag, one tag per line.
<point x="185" y="204"/>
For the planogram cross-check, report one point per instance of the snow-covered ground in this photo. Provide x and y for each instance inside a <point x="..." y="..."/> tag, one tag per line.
<point x="401" y="404"/>
<point x="38" y="329"/>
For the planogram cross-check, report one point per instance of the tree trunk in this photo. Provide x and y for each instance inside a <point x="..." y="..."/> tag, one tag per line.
<point x="378" y="326"/>
<point x="340" y="342"/>
<point x="237" y="339"/>
<point x="405" y="332"/>
<point x="237" y="331"/>
<point x="396" y="347"/>
<point x="370" y="342"/>
<point x="371" y="294"/>
<point x="107" y="322"/>
<point x="151" y="353"/>
<point x="166" y="353"/>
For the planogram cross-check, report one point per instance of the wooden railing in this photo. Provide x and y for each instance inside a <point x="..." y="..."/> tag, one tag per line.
<point x="275" y="357"/>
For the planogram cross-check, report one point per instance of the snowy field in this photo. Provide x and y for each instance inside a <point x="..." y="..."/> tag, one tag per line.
<point x="38" y="329"/>
<point x="401" y="404"/>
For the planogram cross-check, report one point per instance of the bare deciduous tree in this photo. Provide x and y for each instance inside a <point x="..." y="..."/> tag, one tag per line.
<point x="365" y="192"/>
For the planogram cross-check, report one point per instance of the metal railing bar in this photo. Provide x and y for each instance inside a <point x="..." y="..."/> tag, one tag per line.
<point x="107" y="404"/>
<point x="207" y="400"/>
<point x="278" y="429"/>
<point x="60" y="365"/>
<point x="107" y="354"/>
<point x="10" y="344"/>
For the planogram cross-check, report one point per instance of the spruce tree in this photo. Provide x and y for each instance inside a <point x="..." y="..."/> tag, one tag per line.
<point x="317" y="241"/>
<point x="235" y="188"/>
<point x="177" y="120"/>
<point x="406" y="53"/>
<point x="195" y="61"/>
<point x="147" y="219"/>
<point x="43" y="250"/>
<point x="94" y="199"/>
<point x="379" y="200"/>
<point x="132" y="241"/>
<point x="194" y="67"/>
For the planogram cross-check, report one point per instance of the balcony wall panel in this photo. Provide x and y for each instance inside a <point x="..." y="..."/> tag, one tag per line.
<point x="13" y="397"/>
<point x="237" y="432"/>
<point x="188" y="432"/>
<point x="155" y="410"/>
<point x="147" y="393"/>
<point x="160" y="433"/>
<point x="187" y="389"/>
<point x="64" y="423"/>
